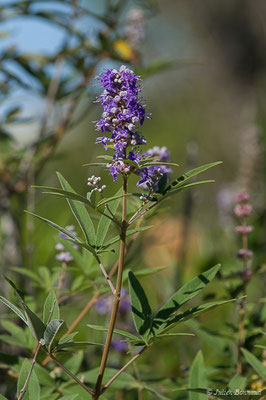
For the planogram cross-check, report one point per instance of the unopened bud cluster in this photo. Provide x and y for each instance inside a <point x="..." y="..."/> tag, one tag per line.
<point x="243" y="210"/>
<point x="94" y="183"/>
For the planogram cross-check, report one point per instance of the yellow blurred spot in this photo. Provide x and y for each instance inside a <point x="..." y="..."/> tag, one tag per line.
<point x="124" y="50"/>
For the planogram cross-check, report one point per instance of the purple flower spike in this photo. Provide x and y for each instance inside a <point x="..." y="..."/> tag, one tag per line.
<point x="122" y="112"/>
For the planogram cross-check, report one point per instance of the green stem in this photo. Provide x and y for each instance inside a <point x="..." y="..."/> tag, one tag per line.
<point x="133" y="359"/>
<point x="23" y="390"/>
<point x="90" y="391"/>
<point x="116" y="302"/>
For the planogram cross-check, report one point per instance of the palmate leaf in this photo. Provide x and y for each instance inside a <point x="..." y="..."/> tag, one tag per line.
<point x="80" y="212"/>
<point x="255" y="363"/>
<point x="140" y="307"/>
<point x="184" y="294"/>
<point x="105" y="222"/>
<point x="35" y="324"/>
<point x="197" y="377"/>
<point x="188" y="175"/>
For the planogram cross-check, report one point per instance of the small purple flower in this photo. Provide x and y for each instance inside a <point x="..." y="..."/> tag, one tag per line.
<point x="245" y="254"/>
<point x="244" y="229"/>
<point x="104" y="305"/>
<point x="242" y="210"/>
<point x="64" y="256"/>
<point x="242" y="197"/>
<point x="119" y="346"/>
<point x="150" y="176"/>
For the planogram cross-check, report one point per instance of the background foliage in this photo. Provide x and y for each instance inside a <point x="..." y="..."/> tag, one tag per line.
<point x="204" y="70"/>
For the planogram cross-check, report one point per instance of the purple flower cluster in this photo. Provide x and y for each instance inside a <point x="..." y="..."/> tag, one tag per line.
<point x="64" y="256"/>
<point x="122" y="111"/>
<point x="150" y="176"/>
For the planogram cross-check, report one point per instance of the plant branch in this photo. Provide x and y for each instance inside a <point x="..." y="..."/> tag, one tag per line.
<point x="71" y="375"/>
<point x="23" y="390"/>
<point x="142" y="213"/>
<point x="123" y="369"/>
<point x="92" y="301"/>
<point x="117" y="295"/>
<point x="243" y="306"/>
<point x="108" y="280"/>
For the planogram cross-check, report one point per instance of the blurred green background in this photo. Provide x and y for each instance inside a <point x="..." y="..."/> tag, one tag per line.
<point x="204" y="77"/>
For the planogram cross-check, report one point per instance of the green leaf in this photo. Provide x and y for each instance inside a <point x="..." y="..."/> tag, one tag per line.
<point x="73" y="364"/>
<point x="124" y="381"/>
<point x="237" y="382"/>
<point x="73" y="238"/>
<point x="162" y="183"/>
<point x="188" y="175"/>
<point x="33" y="388"/>
<point x="111" y="199"/>
<point x="197" y="377"/>
<point x="72" y="345"/>
<point x="69" y="397"/>
<point x="67" y="194"/>
<point x="190" y="185"/>
<point x="151" y="163"/>
<point x="213" y="339"/>
<point x="14" y="309"/>
<point x="3" y="397"/>
<point x="142" y="272"/>
<point x="140" y="306"/>
<point x="35" y="324"/>
<point x="104" y="222"/>
<point x="53" y="332"/>
<point x="255" y="363"/>
<point x="117" y="331"/>
<point x="175" y="334"/>
<point x="80" y="212"/>
<point x="191" y="313"/>
<point x="18" y="334"/>
<point x="30" y="274"/>
<point x="185" y="293"/>
<point x="129" y="233"/>
<point x="156" y="393"/>
<point x="51" y="303"/>
<point x="44" y="376"/>
<point x="67" y="338"/>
